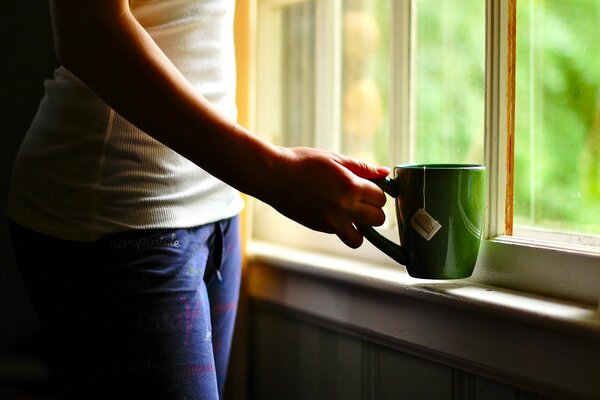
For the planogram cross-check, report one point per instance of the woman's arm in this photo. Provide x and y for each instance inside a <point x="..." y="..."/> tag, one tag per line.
<point x="103" y="45"/>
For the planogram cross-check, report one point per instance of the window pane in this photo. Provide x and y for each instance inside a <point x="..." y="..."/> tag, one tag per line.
<point x="449" y="79"/>
<point x="366" y="79"/>
<point x="557" y="132"/>
<point x="286" y="100"/>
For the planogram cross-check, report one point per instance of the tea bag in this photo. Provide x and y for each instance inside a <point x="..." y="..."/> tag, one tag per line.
<point x="422" y="222"/>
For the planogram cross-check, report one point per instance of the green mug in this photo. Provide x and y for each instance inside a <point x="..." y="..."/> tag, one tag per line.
<point x="440" y="212"/>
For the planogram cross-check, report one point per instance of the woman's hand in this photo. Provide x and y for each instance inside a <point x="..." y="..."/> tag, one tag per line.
<point x="327" y="192"/>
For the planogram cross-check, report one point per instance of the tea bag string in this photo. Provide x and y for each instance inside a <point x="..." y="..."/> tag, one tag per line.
<point x="424" y="187"/>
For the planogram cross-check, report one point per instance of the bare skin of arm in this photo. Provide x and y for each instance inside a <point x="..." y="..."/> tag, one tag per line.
<point x="102" y="43"/>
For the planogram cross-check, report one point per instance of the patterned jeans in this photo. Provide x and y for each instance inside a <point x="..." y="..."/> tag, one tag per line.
<point x="136" y="315"/>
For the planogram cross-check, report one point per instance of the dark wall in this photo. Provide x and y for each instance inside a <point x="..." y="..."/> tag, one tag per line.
<point x="26" y="59"/>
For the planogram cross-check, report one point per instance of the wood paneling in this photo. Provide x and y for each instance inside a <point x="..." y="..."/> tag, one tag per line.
<point x="294" y="356"/>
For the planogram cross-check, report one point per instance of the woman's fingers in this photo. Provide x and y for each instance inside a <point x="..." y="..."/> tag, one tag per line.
<point x="350" y="236"/>
<point x="372" y="194"/>
<point x="366" y="214"/>
<point x="363" y="169"/>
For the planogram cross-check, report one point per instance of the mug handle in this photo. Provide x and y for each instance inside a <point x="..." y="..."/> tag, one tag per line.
<point x="394" y="251"/>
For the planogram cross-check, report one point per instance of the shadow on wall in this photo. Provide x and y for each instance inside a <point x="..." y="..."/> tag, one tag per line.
<point x="27" y="59"/>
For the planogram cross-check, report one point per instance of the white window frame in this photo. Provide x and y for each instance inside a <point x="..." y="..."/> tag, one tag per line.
<point x="566" y="272"/>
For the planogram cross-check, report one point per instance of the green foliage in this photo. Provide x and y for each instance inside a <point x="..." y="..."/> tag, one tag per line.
<point x="450" y="57"/>
<point x="558" y="115"/>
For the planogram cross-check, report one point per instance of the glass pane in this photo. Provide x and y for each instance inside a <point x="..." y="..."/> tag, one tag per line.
<point x="297" y="47"/>
<point x="557" y="132"/>
<point x="366" y="79"/>
<point x="449" y="81"/>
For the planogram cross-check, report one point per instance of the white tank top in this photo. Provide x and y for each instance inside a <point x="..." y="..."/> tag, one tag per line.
<point x="83" y="171"/>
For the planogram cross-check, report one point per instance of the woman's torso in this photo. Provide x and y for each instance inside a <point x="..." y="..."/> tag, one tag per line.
<point x="83" y="171"/>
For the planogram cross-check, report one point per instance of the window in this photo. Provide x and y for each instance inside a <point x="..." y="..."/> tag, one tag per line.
<point x="395" y="81"/>
<point x="557" y="121"/>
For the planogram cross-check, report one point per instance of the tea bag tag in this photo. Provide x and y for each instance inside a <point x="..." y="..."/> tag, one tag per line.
<point x="424" y="224"/>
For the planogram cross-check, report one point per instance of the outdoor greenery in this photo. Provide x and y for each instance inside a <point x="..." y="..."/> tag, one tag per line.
<point x="557" y="160"/>
<point x="449" y="79"/>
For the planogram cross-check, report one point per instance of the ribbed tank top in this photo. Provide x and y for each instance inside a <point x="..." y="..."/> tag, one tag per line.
<point x="83" y="171"/>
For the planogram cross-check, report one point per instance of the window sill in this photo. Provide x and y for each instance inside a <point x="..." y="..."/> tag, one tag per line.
<point x="535" y="342"/>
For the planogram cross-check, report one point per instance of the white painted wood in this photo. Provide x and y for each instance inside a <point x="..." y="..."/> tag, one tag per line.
<point x="495" y="115"/>
<point x="402" y="93"/>
<point x="527" y="341"/>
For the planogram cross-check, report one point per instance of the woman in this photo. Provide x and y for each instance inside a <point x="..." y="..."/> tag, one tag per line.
<point x="124" y="198"/>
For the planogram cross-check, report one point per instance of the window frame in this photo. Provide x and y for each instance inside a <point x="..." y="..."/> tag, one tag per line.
<point x="561" y="271"/>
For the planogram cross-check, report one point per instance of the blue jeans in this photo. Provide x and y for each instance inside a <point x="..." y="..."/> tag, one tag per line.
<point x="136" y="315"/>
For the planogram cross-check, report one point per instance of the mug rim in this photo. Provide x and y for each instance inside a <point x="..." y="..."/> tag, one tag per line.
<point x="441" y="166"/>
